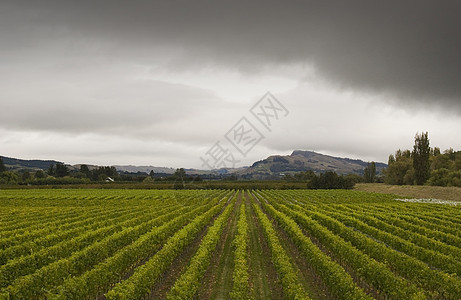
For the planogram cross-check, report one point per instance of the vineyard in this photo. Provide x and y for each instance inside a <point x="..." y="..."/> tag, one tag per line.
<point x="226" y="244"/>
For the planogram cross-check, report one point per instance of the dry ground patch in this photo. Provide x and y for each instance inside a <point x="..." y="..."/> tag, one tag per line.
<point x="435" y="192"/>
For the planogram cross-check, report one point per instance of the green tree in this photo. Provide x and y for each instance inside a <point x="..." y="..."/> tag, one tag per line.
<point x="148" y="179"/>
<point x="330" y="180"/>
<point x="9" y="177"/>
<point x="400" y="169"/>
<point x="457" y="162"/>
<point x="440" y="162"/>
<point x="151" y="174"/>
<point x="102" y="177"/>
<point x="79" y="175"/>
<point x="421" y="153"/>
<point x="300" y="176"/>
<point x="61" y="170"/>
<point x="51" y="170"/>
<point x="104" y="172"/>
<point x="26" y="176"/>
<point x="450" y="153"/>
<point x="439" y="177"/>
<point x="40" y="174"/>
<point x="391" y="159"/>
<point x="369" y="173"/>
<point x="2" y="166"/>
<point x="85" y="170"/>
<point x="179" y="176"/>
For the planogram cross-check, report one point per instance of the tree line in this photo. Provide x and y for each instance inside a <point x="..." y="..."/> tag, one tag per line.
<point x="326" y="180"/>
<point x="424" y="165"/>
<point x="60" y="173"/>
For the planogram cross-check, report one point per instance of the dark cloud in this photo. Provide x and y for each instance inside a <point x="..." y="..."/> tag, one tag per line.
<point x="409" y="49"/>
<point x="151" y="76"/>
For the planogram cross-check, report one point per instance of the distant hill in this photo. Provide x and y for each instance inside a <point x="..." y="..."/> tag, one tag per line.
<point x="272" y="167"/>
<point x="145" y="169"/>
<point x="22" y="164"/>
<point x="277" y="165"/>
<point x="166" y="170"/>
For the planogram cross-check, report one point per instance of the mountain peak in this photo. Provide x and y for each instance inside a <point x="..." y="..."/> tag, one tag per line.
<point x="304" y="153"/>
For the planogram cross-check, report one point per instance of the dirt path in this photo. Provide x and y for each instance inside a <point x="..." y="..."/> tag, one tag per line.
<point x="217" y="282"/>
<point x="264" y="282"/>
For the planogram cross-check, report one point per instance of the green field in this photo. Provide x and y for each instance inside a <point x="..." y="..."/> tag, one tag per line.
<point x="226" y="244"/>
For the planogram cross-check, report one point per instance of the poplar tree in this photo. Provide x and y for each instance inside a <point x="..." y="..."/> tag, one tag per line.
<point x="421" y="153"/>
<point x="370" y="172"/>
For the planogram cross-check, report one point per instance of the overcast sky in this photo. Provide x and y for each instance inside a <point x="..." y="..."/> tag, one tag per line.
<point x="160" y="82"/>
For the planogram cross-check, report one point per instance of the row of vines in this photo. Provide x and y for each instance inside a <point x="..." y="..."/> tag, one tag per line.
<point x="123" y="244"/>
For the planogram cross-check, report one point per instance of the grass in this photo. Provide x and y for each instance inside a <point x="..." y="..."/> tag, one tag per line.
<point x="416" y="191"/>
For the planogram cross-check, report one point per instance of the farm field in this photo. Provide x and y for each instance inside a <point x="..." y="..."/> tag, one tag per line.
<point x="226" y="244"/>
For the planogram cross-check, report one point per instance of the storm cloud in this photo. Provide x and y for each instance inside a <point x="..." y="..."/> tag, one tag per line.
<point x="407" y="48"/>
<point x="152" y="68"/>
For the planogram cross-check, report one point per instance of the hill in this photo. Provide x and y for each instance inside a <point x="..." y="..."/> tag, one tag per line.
<point x="298" y="161"/>
<point x="23" y="164"/>
<point x="144" y="169"/>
